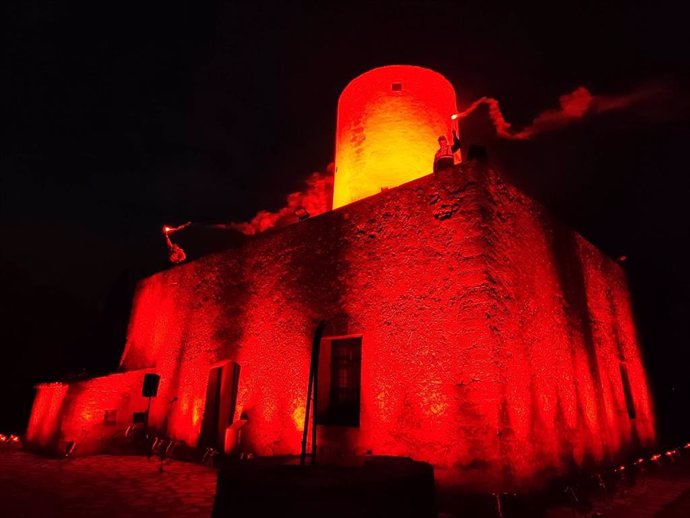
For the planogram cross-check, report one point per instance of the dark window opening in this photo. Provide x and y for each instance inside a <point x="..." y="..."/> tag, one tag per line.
<point x="629" y="403"/>
<point x="396" y="87"/>
<point x="110" y="417"/>
<point x="342" y="404"/>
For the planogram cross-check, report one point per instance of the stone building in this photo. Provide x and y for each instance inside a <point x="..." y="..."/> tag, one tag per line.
<point x="466" y="327"/>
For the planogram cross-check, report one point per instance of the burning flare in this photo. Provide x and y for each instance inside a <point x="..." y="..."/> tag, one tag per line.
<point x="175" y="253"/>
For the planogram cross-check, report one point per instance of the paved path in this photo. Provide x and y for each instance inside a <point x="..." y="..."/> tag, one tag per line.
<point x="102" y="486"/>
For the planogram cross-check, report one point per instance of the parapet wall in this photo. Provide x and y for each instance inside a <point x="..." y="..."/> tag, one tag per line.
<point x="76" y="411"/>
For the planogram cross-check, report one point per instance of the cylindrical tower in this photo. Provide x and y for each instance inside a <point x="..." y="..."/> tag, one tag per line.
<point x="389" y="121"/>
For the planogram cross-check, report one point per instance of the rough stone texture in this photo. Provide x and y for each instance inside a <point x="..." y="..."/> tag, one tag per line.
<point x="492" y="336"/>
<point x="76" y="412"/>
<point x="384" y="136"/>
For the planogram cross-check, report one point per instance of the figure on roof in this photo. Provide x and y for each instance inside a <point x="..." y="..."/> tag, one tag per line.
<point x="444" y="158"/>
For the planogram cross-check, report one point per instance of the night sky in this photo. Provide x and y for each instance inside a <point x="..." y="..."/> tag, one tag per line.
<point x="121" y="117"/>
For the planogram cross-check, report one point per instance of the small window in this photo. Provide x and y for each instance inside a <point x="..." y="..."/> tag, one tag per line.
<point x="110" y="417"/>
<point x="341" y="405"/>
<point x="627" y="391"/>
<point x="396" y="87"/>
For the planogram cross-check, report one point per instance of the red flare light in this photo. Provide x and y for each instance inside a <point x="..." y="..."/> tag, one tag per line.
<point x="167" y="229"/>
<point x="175" y="252"/>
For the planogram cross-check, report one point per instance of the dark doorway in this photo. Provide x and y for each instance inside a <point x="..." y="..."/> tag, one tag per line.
<point x="627" y="391"/>
<point x="221" y="400"/>
<point x="339" y="381"/>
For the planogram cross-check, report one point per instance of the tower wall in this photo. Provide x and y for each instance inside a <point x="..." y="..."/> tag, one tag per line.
<point x="389" y="120"/>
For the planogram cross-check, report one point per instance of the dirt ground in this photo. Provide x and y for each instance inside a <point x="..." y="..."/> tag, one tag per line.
<point x="659" y="490"/>
<point x="107" y="486"/>
<point x="103" y="486"/>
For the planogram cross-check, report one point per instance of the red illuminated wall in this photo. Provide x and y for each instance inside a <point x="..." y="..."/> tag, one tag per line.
<point x="83" y="412"/>
<point x="65" y="412"/>
<point x="44" y="423"/>
<point x="492" y="336"/>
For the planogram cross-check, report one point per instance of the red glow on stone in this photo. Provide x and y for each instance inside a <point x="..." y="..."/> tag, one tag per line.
<point x="459" y="364"/>
<point x="44" y="423"/>
<point x="389" y="120"/>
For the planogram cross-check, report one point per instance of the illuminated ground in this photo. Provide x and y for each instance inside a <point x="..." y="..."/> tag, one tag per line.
<point x="661" y="491"/>
<point x="112" y="486"/>
<point x="103" y="486"/>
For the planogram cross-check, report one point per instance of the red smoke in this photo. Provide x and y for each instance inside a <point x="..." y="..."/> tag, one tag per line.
<point x="573" y="107"/>
<point x="175" y="253"/>
<point x="315" y="200"/>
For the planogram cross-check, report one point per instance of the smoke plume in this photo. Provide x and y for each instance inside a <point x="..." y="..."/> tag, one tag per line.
<point x="573" y="107"/>
<point x="314" y="200"/>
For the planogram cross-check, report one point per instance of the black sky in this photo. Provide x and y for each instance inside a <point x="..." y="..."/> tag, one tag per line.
<point x="122" y="116"/>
